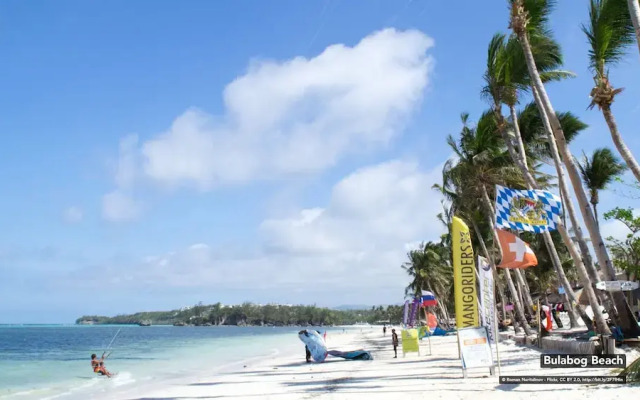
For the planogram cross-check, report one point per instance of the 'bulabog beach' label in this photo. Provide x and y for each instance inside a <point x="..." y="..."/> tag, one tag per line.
<point x="582" y="361"/>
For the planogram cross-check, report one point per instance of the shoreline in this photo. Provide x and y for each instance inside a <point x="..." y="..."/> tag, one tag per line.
<point x="281" y="373"/>
<point x="438" y="375"/>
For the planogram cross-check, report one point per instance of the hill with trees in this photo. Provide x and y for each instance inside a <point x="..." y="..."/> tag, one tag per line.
<point x="249" y="314"/>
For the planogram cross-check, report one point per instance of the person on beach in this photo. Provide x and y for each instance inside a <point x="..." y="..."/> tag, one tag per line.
<point x="384" y="330"/>
<point x="306" y="349"/>
<point x="394" y="341"/>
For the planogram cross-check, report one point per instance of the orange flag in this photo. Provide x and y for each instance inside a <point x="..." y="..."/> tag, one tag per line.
<point x="516" y="253"/>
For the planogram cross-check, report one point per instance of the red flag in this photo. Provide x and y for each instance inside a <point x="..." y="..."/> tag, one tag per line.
<point x="516" y="253"/>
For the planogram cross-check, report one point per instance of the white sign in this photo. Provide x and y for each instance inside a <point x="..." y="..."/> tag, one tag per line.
<point x="487" y="300"/>
<point x="617" y="286"/>
<point x="475" y="349"/>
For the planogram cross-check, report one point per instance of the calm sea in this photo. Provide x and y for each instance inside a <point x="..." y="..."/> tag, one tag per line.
<point x="38" y="362"/>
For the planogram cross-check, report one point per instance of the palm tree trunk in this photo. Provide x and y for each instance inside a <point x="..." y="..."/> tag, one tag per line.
<point x="483" y="246"/>
<point x="601" y="324"/>
<point x="516" y="128"/>
<point x="445" y="314"/>
<point x="443" y="308"/>
<point x="632" y="277"/>
<point x="569" y="295"/>
<point x="512" y="288"/>
<point x="564" y="191"/>
<point x="626" y="319"/>
<point x="526" y="296"/>
<point x="520" y="287"/>
<point x="619" y="142"/>
<point x="634" y="11"/>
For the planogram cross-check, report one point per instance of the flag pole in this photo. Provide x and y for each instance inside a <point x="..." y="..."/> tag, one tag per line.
<point x="497" y="332"/>
<point x="426" y="322"/>
<point x="539" y="325"/>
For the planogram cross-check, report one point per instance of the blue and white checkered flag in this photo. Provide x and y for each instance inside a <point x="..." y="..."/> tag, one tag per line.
<point x="527" y="210"/>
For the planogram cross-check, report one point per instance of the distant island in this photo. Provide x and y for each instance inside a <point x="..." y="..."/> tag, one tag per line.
<point x="249" y="314"/>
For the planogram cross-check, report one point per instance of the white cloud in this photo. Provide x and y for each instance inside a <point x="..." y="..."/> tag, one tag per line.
<point x="614" y="228"/>
<point x="295" y="116"/>
<point x="361" y="236"/>
<point x="117" y="206"/>
<point x="382" y="207"/>
<point x="126" y="169"/>
<point x="73" y="214"/>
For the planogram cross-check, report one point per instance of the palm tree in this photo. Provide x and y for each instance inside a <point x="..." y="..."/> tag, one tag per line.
<point x="634" y="12"/>
<point x="598" y="172"/>
<point x="506" y="74"/>
<point x="481" y="162"/>
<point x="430" y="269"/>
<point x="540" y="141"/>
<point x="609" y="32"/>
<point x="474" y="217"/>
<point x="530" y="18"/>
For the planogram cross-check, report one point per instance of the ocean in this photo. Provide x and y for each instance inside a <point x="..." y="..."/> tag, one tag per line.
<point x="53" y="361"/>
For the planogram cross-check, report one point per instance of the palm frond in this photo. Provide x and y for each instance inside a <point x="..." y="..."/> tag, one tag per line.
<point x="600" y="169"/>
<point x="556" y="75"/>
<point x="609" y="32"/>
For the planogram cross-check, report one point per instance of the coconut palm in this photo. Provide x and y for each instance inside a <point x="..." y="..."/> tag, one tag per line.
<point x="598" y="172"/>
<point x="505" y="76"/>
<point x="536" y="138"/>
<point x="428" y="266"/>
<point x="529" y="18"/>
<point x="430" y="269"/>
<point x="548" y="58"/>
<point x="609" y="32"/>
<point x="471" y="214"/>
<point x="534" y="135"/>
<point x="536" y="132"/>
<point x="481" y="162"/>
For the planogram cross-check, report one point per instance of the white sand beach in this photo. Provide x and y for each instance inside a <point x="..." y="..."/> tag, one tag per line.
<point x="437" y="375"/>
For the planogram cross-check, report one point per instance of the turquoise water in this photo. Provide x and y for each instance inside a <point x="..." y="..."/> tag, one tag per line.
<point x="38" y="362"/>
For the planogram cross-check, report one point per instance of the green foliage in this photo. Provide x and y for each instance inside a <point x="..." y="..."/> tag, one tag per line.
<point x="626" y="253"/>
<point x="539" y="12"/>
<point x="633" y="371"/>
<point x="543" y="277"/>
<point x="599" y="171"/>
<point x="534" y="135"/>
<point x="609" y="31"/>
<point x="254" y="315"/>
<point x="429" y="267"/>
<point x="633" y="185"/>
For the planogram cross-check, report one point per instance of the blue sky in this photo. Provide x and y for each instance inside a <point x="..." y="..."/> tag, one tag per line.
<point x="159" y="154"/>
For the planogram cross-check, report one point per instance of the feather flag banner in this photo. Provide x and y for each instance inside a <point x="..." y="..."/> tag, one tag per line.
<point x="527" y="210"/>
<point x="464" y="276"/>
<point x="415" y="306"/>
<point x="405" y="316"/>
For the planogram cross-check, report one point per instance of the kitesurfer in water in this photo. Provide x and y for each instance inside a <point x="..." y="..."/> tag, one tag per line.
<point x="98" y="366"/>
